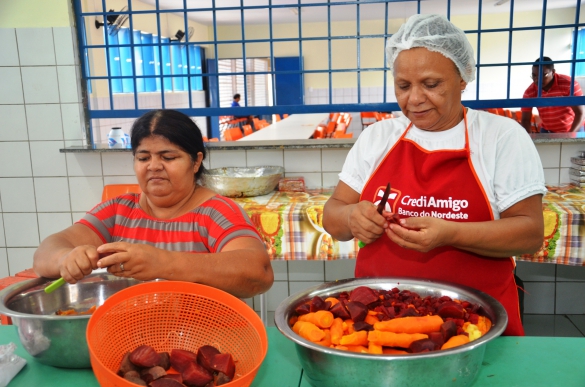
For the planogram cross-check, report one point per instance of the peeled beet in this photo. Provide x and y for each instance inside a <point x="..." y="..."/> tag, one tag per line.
<point x="363" y="294"/>
<point x="166" y="382"/>
<point x="357" y="311"/>
<point x="153" y="373"/>
<point x="317" y="304"/>
<point x="126" y="365"/>
<point x="339" y="310"/>
<point x="302" y="309"/>
<point x="205" y="355"/>
<point x="362" y="326"/>
<point x="224" y="363"/>
<point x="437" y="338"/>
<point x="176" y="377"/>
<point x="422" y="345"/>
<point x="144" y="356"/>
<point x="408" y="312"/>
<point x="196" y="375"/>
<point x="165" y="360"/>
<point x="180" y="359"/>
<point x="221" y="378"/>
<point x="450" y="309"/>
<point x="448" y="329"/>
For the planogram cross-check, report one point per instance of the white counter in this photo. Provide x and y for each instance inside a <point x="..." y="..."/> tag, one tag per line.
<point x="294" y="127"/>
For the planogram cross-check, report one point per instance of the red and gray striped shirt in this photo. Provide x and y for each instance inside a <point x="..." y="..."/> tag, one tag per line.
<point x="207" y="228"/>
<point x="556" y="119"/>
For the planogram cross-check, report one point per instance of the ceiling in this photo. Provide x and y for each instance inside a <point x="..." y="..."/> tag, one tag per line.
<point x="286" y="11"/>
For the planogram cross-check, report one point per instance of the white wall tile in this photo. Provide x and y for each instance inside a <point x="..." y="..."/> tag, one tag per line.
<point x="18" y="194"/>
<point x="333" y="159"/>
<point x="64" y="46"/>
<point x="44" y="122"/>
<point x="22" y="229"/>
<point x="2" y="239"/>
<point x="35" y="46"/>
<point x="73" y="125"/>
<point x="569" y="150"/>
<point x="308" y="160"/>
<point x="120" y="180"/>
<point x="15" y="159"/>
<point x="220" y="159"/>
<point x="4" y="272"/>
<point x="119" y="163"/>
<point x="78" y="215"/>
<point x="85" y="192"/>
<point x="8" y="47"/>
<point x="564" y="177"/>
<point x="330" y="179"/>
<point x="68" y="84"/>
<point x="84" y="164"/>
<point x="40" y="84"/>
<point x="312" y="179"/>
<point x="10" y="86"/>
<point x="46" y="158"/>
<point x="549" y="154"/>
<point x="20" y="259"/>
<point x="551" y="176"/>
<point x="51" y="223"/>
<point x="13" y="119"/>
<point x="256" y="158"/>
<point x="52" y="194"/>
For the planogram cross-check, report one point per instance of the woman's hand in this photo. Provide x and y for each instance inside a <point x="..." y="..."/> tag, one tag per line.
<point x="78" y="262"/>
<point x="421" y="234"/>
<point x="130" y="260"/>
<point x="365" y="223"/>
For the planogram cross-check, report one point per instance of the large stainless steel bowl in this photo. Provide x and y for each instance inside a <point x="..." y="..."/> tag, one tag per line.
<point x="236" y="182"/>
<point x="328" y="367"/>
<point x="57" y="340"/>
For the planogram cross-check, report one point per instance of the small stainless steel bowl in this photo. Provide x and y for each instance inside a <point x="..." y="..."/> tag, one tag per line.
<point x="236" y="182"/>
<point x="51" y="339"/>
<point x="328" y="367"/>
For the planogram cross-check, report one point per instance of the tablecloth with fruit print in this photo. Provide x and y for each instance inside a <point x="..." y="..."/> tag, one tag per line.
<point x="291" y="225"/>
<point x="564" y="227"/>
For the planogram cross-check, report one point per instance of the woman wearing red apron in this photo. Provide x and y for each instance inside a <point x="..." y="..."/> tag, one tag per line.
<point x="465" y="201"/>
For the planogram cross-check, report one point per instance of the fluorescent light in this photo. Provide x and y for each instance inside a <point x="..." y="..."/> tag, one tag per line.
<point x="500" y="2"/>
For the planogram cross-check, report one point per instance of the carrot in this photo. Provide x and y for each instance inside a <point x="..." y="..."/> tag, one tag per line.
<point x="293" y="320"/>
<point x="336" y="330"/>
<point x="374" y="349"/>
<point x="425" y="324"/>
<point x="333" y="300"/>
<point x="341" y="347"/>
<point x="348" y="326"/>
<point x="356" y="338"/>
<point x="484" y="324"/>
<point x="321" y="318"/>
<point x="308" y="331"/>
<point x="326" y="342"/>
<point x="357" y="348"/>
<point x="372" y="319"/>
<point x="391" y="339"/>
<point x="455" y="341"/>
<point x="392" y="351"/>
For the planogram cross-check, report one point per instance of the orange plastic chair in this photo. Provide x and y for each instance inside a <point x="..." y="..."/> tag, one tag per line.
<point x="205" y="139"/>
<point x="330" y="128"/>
<point x="342" y="135"/>
<point x="247" y="129"/>
<point x="113" y="190"/>
<point x="518" y="115"/>
<point x="333" y="117"/>
<point x="341" y="128"/>
<point x="233" y="134"/>
<point x="319" y="132"/>
<point x="284" y="116"/>
<point x="277" y="117"/>
<point x="369" y="118"/>
<point x="213" y="139"/>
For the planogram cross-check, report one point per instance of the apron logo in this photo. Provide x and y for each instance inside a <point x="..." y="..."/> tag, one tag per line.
<point x="392" y="198"/>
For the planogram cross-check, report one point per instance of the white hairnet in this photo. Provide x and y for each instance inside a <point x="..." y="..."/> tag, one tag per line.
<point x="435" y="33"/>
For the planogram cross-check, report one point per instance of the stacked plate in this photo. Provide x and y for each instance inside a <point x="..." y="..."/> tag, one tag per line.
<point x="577" y="170"/>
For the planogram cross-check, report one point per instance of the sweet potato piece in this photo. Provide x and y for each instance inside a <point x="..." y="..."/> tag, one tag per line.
<point x="423" y="345"/>
<point x="144" y="356"/>
<point x="220" y="379"/>
<point x="224" y="363"/>
<point x="165" y="360"/>
<point x="448" y="330"/>
<point x="339" y="310"/>
<point x="181" y="358"/>
<point x="205" y="355"/>
<point x="357" y="311"/>
<point x="153" y="373"/>
<point x="317" y="303"/>
<point x="196" y="375"/>
<point x="451" y="309"/>
<point x="126" y="365"/>
<point x="363" y="294"/>
<point x="166" y="382"/>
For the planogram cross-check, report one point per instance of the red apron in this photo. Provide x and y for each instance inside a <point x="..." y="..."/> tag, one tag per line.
<point x="442" y="184"/>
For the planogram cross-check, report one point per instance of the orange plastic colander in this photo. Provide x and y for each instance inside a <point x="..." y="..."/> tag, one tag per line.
<point x="174" y="315"/>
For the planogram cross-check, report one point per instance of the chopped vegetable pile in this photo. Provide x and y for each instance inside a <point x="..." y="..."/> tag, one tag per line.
<point x="389" y="321"/>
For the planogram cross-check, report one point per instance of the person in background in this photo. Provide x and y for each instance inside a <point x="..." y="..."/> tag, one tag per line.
<point x="554" y="119"/>
<point x="175" y="229"/>
<point x="466" y="185"/>
<point x="236" y="103"/>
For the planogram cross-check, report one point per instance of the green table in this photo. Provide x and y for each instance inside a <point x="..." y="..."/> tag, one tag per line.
<point x="508" y="361"/>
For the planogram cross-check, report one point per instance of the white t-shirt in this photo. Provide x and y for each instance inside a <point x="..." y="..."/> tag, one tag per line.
<point x="502" y="153"/>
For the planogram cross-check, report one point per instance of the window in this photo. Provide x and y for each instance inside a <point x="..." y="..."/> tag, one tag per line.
<point x="580" y="53"/>
<point x="257" y="85"/>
